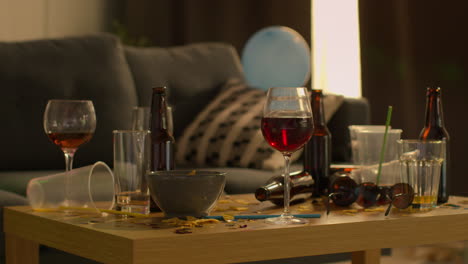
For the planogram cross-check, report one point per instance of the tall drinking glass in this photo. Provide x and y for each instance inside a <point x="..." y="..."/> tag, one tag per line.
<point x="141" y="118"/>
<point x="287" y="126"/>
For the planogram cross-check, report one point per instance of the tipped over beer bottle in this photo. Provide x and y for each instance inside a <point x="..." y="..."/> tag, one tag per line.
<point x="273" y="191"/>
<point x="162" y="141"/>
<point x="317" y="152"/>
<point x="434" y="129"/>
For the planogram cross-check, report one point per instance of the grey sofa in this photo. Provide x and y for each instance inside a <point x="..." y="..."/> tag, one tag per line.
<point x="116" y="78"/>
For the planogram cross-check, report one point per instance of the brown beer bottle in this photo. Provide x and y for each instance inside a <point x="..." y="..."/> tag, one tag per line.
<point x="317" y="152"/>
<point x="434" y="129"/>
<point x="162" y="142"/>
<point x="301" y="189"/>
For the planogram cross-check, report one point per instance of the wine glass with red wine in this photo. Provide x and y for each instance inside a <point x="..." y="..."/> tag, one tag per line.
<point x="69" y="124"/>
<point x="287" y="126"/>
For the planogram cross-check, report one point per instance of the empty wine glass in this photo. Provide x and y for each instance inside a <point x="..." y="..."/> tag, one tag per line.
<point x="69" y="124"/>
<point x="287" y="126"/>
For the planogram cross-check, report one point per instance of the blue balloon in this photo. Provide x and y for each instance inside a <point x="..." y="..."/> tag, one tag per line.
<point x="276" y="56"/>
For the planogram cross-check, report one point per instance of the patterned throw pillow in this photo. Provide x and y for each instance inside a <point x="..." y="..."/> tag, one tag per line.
<point x="227" y="133"/>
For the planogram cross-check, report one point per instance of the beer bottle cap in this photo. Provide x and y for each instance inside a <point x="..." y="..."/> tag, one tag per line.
<point x="159" y="90"/>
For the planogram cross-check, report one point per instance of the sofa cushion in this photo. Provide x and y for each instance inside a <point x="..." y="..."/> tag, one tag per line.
<point x="187" y="109"/>
<point x="186" y="70"/>
<point x="227" y="132"/>
<point x="353" y="111"/>
<point x="193" y="74"/>
<point x="32" y="72"/>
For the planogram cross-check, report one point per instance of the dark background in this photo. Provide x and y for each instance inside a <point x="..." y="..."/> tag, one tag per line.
<point x="405" y="47"/>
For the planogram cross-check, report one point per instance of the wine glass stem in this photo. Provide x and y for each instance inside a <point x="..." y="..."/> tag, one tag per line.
<point x="287" y="183"/>
<point x="69" y="153"/>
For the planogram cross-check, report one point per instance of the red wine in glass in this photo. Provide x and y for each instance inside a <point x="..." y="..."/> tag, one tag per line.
<point x="70" y="140"/>
<point x="287" y="134"/>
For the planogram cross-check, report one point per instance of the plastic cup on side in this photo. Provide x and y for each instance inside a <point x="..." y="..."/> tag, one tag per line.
<point x="90" y="187"/>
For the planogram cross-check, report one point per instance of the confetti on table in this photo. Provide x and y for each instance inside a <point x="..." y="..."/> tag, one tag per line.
<point x="374" y="210"/>
<point x="350" y="211"/>
<point x="183" y="230"/>
<point x="228" y="217"/>
<point x="242" y="201"/>
<point x="238" y="208"/>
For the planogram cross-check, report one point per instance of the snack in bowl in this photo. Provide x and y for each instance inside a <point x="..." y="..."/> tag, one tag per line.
<point x="182" y="193"/>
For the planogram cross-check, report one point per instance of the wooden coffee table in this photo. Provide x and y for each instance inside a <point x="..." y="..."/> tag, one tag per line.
<point x="147" y="240"/>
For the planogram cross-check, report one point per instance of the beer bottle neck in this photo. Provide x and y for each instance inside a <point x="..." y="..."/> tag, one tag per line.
<point x="317" y="108"/>
<point x="266" y="192"/>
<point x="434" y="113"/>
<point x="159" y="116"/>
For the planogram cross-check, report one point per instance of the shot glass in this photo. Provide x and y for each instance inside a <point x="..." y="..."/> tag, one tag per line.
<point x="91" y="187"/>
<point x="131" y="156"/>
<point x="420" y="167"/>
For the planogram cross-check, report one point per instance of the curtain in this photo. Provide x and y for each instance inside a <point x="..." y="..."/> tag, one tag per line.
<point x="407" y="46"/>
<point x="177" y="22"/>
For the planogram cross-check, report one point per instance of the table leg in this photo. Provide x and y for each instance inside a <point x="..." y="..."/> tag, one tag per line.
<point x="21" y="251"/>
<point x="371" y="256"/>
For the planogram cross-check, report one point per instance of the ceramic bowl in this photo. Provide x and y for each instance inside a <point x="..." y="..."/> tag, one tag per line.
<point x="181" y="193"/>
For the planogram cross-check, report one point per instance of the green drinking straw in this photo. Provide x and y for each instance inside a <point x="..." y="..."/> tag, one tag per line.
<point x="382" y="151"/>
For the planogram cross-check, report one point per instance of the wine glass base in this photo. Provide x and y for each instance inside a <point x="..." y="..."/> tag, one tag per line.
<point x="286" y="220"/>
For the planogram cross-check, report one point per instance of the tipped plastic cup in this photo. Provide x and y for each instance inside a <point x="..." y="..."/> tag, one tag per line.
<point x="90" y="187"/>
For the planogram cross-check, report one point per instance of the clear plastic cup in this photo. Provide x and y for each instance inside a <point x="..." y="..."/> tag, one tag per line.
<point x="353" y="129"/>
<point x="88" y="187"/>
<point x="369" y="145"/>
